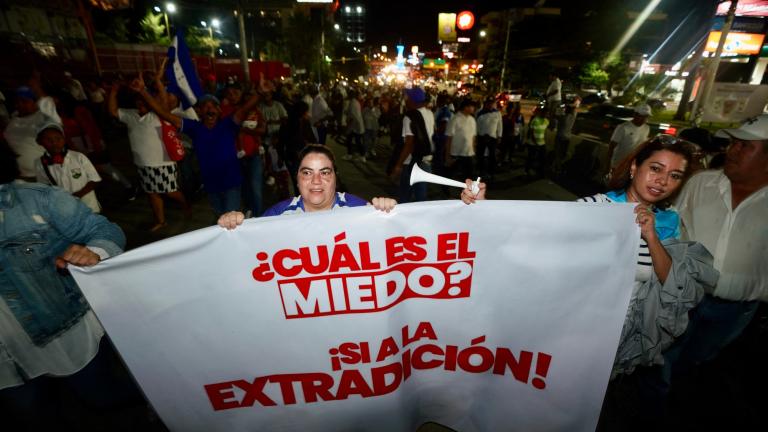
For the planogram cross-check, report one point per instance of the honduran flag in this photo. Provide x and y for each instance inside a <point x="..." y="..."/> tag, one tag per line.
<point x="180" y="72"/>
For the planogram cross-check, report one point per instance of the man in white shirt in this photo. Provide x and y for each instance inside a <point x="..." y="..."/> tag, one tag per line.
<point x="554" y="91"/>
<point x="726" y="211"/>
<point x="22" y="130"/>
<point x="462" y="140"/>
<point x="321" y="113"/>
<point x="417" y="145"/>
<point x="275" y="115"/>
<point x="355" y="128"/>
<point x="628" y="135"/>
<point x="489" y="129"/>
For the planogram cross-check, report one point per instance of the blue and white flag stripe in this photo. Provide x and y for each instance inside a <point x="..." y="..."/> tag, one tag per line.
<point x="180" y="72"/>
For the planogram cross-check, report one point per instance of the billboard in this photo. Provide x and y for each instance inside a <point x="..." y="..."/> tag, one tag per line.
<point x="745" y="8"/>
<point x="736" y="43"/>
<point x="446" y="27"/>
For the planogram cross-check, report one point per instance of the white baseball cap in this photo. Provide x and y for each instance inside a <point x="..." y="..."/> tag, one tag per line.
<point x="643" y="110"/>
<point x="753" y="129"/>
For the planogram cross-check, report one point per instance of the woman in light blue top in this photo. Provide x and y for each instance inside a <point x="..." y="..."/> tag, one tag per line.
<point x="670" y="275"/>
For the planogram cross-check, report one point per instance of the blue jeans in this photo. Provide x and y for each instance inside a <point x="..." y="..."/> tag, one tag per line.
<point x="253" y="176"/>
<point x="714" y="324"/>
<point x="225" y="201"/>
<point x="418" y="190"/>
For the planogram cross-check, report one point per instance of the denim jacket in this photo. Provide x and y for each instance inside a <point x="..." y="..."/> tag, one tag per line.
<point x="37" y="223"/>
<point x="659" y="313"/>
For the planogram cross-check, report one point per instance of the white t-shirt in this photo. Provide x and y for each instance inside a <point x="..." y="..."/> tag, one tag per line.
<point x="72" y="175"/>
<point x="20" y="134"/>
<point x="627" y="137"/>
<point x="355" y="117"/>
<point x="489" y="124"/>
<point x="429" y="124"/>
<point x="463" y="129"/>
<point x="273" y="112"/>
<point x="320" y="109"/>
<point x="63" y="356"/>
<point x="555" y="85"/>
<point x="145" y="136"/>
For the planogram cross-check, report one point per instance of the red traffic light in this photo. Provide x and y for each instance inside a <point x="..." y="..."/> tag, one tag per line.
<point x="465" y="20"/>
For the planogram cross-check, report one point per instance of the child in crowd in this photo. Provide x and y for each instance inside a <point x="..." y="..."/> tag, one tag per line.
<point x="67" y="169"/>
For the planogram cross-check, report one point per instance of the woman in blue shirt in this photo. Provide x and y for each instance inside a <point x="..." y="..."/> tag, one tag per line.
<point x="317" y="190"/>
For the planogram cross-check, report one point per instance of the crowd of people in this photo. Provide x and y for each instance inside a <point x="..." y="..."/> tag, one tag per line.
<point x="699" y="277"/>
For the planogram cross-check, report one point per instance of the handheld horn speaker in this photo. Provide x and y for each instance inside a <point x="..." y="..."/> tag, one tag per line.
<point x="420" y="176"/>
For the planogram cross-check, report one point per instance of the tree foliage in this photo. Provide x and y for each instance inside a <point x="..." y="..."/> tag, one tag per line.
<point x="592" y="74"/>
<point x="617" y="68"/>
<point x="199" y="40"/>
<point x="153" y="29"/>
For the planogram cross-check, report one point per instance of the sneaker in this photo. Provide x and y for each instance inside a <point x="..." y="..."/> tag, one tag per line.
<point x="362" y="159"/>
<point x="373" y="153"/>
<point x="347" y="157"/>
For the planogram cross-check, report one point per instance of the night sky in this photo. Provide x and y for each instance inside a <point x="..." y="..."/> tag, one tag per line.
<point x="414" y="22"/>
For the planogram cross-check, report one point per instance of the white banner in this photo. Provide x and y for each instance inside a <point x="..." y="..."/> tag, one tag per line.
<point x="504" y="315"/>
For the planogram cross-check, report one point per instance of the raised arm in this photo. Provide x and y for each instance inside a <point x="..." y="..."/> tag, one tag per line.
<point x="162" y="95"/>
<point x="138" y="86"/>
<point x="662" y="262"/>
<point x="242" y="112"/>
<point x="112" y="100"/>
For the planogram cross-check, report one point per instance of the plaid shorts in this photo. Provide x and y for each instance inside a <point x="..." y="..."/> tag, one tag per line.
<point x="159" y="179"/>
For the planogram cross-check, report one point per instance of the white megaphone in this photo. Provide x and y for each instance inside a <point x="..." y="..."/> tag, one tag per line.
<point x="420" y="176"/>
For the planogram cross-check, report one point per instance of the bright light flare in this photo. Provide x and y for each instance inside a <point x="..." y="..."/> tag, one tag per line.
<point x="634" y="27"/>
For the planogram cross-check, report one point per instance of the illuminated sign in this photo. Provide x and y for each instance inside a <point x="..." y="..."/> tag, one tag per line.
<point x="745" y="8"/>
<point x="400" y="59"/>
<point x="433" y="63"/>
<point x="463" y="40"/>
<point x="446" y="27"/>
<point x="736" y="43"/>
<point x="465" y="20"/>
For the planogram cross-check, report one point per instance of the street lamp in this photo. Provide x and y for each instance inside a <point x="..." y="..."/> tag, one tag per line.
<point x="483" y="33"/>
<point x="214" y="23"/>
<point x="169" y="8"/>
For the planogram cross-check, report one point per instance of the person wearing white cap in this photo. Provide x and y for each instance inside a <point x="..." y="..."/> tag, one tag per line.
<point x="726" y="211"/>
<point x="65" y="168"/>
<point x="628" y="135"/>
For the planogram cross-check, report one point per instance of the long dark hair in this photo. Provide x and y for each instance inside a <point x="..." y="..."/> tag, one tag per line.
<point x="620" y="178"/>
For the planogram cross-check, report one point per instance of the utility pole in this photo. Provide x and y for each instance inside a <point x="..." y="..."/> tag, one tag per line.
<point x="85" y="17"/>
<point x="243" y="42"/>
<point x="709" y="78"/>
<point x="506" y="50"/>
